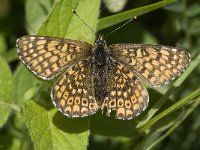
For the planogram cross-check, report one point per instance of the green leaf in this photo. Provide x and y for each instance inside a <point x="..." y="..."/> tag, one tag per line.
<point x="187" y="112"/>
<point x="149" y="38"/>
<point x="155" y="136"/>
<point x="24" y="80"/>
<point x="115" y="19"/>
<point x="10" y="143"/>
<point x="10" y="55"/>
<point x="109" y="126"/>
<point x="177" y="7"/>
<point x="69" y="25"/>
<point x="147" y="141"/>
<point x="169" y="110"/>
<point x="193" y="10"/>
<point x="49" y="129"/>
<point x="5" y="91"/>
<point x="33" y="19"/>
<point x="194" y="27"/>
<point x="3" y="46"/>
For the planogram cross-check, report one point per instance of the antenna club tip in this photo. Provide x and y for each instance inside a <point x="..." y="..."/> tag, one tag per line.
<point x="73" y="11"/>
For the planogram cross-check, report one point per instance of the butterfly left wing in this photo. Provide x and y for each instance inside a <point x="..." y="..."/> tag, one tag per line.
<point x="126" y="94"/>
<point x="155" y="64"/>
<point x="47" y="56"/>
<point x="73" y="93"/>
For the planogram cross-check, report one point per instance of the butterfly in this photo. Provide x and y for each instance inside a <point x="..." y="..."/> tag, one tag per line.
<point x="100" y="76"/>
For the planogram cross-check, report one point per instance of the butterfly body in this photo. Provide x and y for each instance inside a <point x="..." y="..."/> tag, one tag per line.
<point x="100" y="69"/>
<point x="101" y="76"/>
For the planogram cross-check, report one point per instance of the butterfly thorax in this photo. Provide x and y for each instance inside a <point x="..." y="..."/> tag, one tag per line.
<point x="100" y="53"/>
<point x="100" y="69"/>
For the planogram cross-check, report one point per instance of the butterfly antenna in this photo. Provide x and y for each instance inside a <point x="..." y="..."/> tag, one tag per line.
<point x="74" y="12"/>
<point x="120" y="26"/>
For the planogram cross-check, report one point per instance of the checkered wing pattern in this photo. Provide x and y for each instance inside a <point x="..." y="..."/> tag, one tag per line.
<point x="47" y="56"/>
<point x="73" y="93"/>
<point x="155" y="64"/>
<point x="126" y="94"/>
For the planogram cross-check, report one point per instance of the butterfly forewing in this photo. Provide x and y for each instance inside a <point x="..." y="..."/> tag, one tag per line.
<point x="155" y="64"/>
<point x="126" y="94"/>
<point x="47" y="56"/>
<point x="73" y="93"/>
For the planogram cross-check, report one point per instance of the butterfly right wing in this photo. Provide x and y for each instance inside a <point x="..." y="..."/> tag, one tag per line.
<point x="47" y="56"/>
<point x="155" y="64"/>
<point x="73" y="94"/>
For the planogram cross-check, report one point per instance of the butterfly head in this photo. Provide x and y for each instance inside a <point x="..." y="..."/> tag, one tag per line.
<point x="100" y="42"/>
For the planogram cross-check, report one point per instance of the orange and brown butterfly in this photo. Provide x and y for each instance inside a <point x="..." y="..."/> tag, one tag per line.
<point x="98" y="76"/>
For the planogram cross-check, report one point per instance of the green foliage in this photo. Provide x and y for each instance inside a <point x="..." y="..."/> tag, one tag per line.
<point x="50" y="130"/>
<point x="6" y="92"/>
<point x="115" y="19"/>
<point x="28" y="118"/>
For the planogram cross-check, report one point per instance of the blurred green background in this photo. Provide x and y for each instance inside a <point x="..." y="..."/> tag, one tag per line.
<point x="171" y="124"/>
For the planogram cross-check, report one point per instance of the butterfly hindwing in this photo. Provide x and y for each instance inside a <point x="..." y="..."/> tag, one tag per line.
<point x="73" y="93"/>
<point x="126" y="94"/>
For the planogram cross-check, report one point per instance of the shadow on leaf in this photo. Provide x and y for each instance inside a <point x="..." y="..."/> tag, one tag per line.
<point x="109" y="126"/>
<point x="70" y="125"/>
